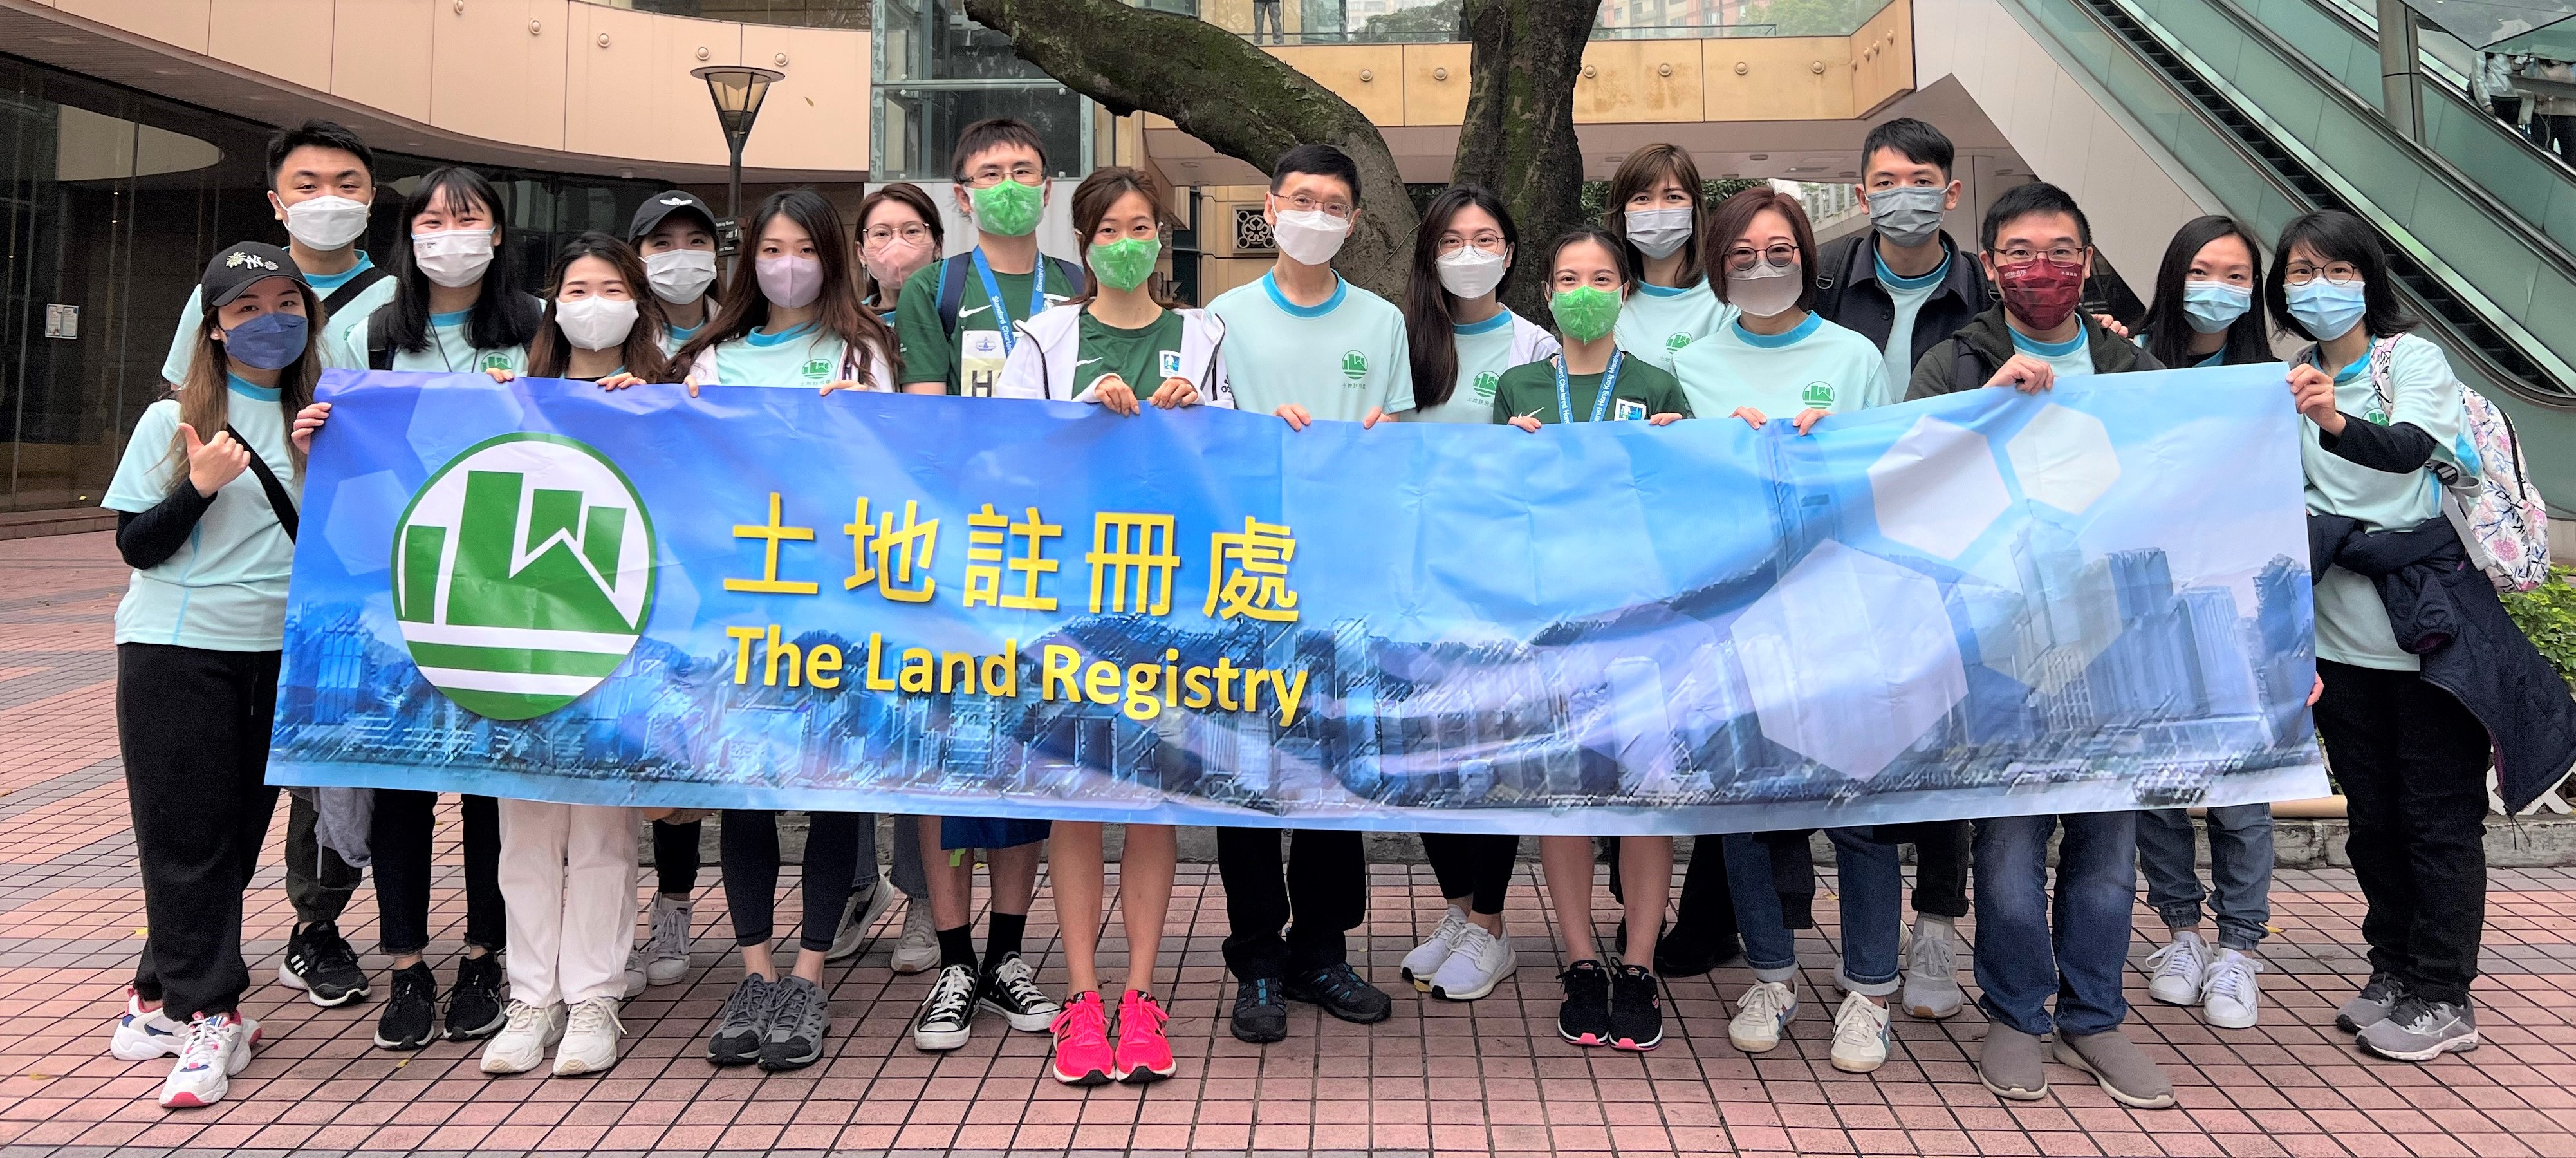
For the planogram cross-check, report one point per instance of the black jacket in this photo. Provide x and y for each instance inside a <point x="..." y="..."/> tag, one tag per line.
<point x="1968" y="358"/>
<point x="1848" y="293"/>
<point x="2445" y="612"/>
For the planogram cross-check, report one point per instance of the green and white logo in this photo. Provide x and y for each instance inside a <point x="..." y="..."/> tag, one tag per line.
<point x="1354" y="365"/>
<point x="1486" y="384"/>
<point x="496" y="361"/>
<point x="523" y="573"/>
<point x="816" y="370"/>
<point x="1675" y="343"/>
<point x="1818" y="396"/>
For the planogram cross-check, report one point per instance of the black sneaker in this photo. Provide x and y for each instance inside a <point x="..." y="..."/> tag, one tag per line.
<point x="410" y="1018"/>
<point x="799" y="1016"/>
<point x="1260" y="1013"/>
<point x="743" y="1024"/>
<point x="1010" y="988"/>
<point x="1685" y="951"/>
<point x="323" y="965"/>
<point x="1584" y="1018"/>
<point x="474" y="1007"/>
<point x="1341" y="992"/>
<point x="1636" y="1010"/>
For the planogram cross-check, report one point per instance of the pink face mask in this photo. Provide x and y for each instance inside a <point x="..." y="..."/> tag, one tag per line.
<point x="894" y="259"/>
<point x="790" y="282"/>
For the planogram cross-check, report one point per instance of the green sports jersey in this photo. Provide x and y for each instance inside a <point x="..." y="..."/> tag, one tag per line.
<point x="1644" y="391"/>
<point x="1816" y="365"/>
<point x="971" y="361"/>
<point x="1484" y="353"/>
<point x="1337" y="359"/>
<point x="1142" y="358"/>
<point x="1658" y="322"/>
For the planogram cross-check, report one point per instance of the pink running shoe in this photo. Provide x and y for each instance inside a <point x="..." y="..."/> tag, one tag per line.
<point x="1144" y="1054"/>
<point x="1082" y="1056"/>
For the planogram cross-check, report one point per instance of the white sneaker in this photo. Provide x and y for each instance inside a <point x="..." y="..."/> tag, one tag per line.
<point x="1480" y="962"/>
<point x="919" y="948"/>
<point x="860" y="915"/>
<point x="1932" y="969"/>
<point x="1427" y="957"/>
<point x="1761" y="1016"/>
<point x="666" y="952"/>
<point x="526" y="1032"/>
<point x="589" y="1039"/>
<point x="636" y="976"/>
<point x="947" y="1016"/>
<point x="2185" y="965"/>
<point x="2229" y="999"/>
<point x="1860" y="1035"/>
<point x="217" y="1048"/>
<point x="144" y="1034"/>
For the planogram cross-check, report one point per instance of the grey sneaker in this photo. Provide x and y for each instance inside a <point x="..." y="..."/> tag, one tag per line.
<point x="743" y="1024"/>
<point x="860" y="915"/>
<point x="1932" y="969"/>
<point x="918" y="949"/>
<point x="2419" y="1030"/>
<point x="2372" y="1005"/>
<point x="2013" y="1064"/>
<point x="2125" y="1072"/>
<point x="666" y="953"/>
<point x="799" y="1017"/>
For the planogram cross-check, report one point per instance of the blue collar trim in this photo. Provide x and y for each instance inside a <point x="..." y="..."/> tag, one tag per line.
<point x="1502" y="319"/>
<point x="1671" y="291"/>
<point x="757" y="337"/>
<point x="1790" y="337"/>
<point x="2030" y="345"/>
<point x="1888" y="278"/>
<point x="446" y="321"/>
<point x="1341" y="289"/>
<point x="326" y="282"/>
<point x="250" y="390"/>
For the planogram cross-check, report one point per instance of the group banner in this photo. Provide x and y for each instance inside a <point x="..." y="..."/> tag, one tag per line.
<point x="1979" y="605"/>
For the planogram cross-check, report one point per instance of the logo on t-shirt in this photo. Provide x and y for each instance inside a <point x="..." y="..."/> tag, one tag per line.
<point x="2376" y="414"/>
<point x="816" y="370"/>
<point x="1674" y="344"/>
<point x="1485" y="385"/>
<point x="496" y="361"/>
<point x="1818" y="396"/>
<point x="1629" y="410"/>
<point x="1354" y="365"/>
<point x="1171" y="364"/>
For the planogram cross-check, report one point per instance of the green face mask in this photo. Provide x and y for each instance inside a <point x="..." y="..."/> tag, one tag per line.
<point x="1583" y="313"/>
<point x="1008" y="209"/>
<point x="1125" y="263"/>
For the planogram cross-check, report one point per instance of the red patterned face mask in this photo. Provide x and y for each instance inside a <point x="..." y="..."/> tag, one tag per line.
<point x="2041" y="292"/>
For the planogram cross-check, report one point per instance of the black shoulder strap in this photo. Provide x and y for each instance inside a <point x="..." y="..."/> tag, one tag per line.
<point x="1968" y="373"/>
<point x="952" y="294"/>
<point x="529" y="311"/>
<point x="380" y="339"/>
<point x="277" y="497"/>
<point x="349" y="290"/>
<point x="1835" y="266"/>
<point x="1070" y="273"/>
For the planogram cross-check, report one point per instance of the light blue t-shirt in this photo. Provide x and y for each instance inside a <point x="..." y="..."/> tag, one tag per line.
<point x="807" y="355"/>
<point x="1906" y="295"/>
<point x="1484" y="352"/>
<point x="449" y="351"/>
<point x="1337" y="359"/>
<point x="2352" y="622"/>
<point x="183" y="342"/>
<point x="1816" y="365"/>
<point x="1657" y="322"/>
<point x="225" y="589"/>
<point x="2069" y="358"/>
<point x="674" y="337"/>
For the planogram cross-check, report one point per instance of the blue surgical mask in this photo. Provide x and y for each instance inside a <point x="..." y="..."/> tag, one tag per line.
<point x="2329" y="311"/>
<point x="266" y="342"/>
<point x="2212" y="306"/>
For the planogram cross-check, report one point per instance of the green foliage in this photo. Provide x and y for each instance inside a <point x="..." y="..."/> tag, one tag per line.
<point x="2547" y="614"/>
<point x="1597" y="193"/>
<point x="1428" y="22"/>
<point x="1812" y="17"/>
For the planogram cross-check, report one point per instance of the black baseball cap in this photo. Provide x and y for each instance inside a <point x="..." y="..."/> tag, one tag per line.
<point x="649" y="215"/>
<point x="233" y="271"/>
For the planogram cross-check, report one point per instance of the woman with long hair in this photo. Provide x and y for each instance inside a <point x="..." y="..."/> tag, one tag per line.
<point x="2203" y="311"/>
<point x="602" y="323"/>
<point x="1656" y="213"/>
<point x="899" y="233"/>
<point x="205" y="502"/>
<point x="792" y="315"/>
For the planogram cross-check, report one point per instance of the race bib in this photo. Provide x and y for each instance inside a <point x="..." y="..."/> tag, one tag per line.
<point x="979" y="362"/>
<point x="1628" y="410"/>
<point x="1171" y="364"/>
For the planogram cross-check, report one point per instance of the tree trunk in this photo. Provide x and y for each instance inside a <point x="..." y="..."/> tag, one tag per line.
<point x="1518" y="136"/>
<point x="1220" y="89"/>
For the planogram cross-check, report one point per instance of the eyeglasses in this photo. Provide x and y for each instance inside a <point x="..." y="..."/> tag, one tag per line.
<point x="1024" y="172"/>
<point x="1488" y="240"/>
<point x="913" y="231"/>
<point x="2021" y="255"/>
<point x="2335" y="273"/>
<point x="1307" y="203"/>
<point x="1741" y="258"/>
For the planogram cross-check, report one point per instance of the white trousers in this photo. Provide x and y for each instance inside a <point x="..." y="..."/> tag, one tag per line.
<point x="568" y="877"/>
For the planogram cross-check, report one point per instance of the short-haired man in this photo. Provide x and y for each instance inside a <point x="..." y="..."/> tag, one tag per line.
<point x="2038" y="249"/>
<point x="1305" y="345"/>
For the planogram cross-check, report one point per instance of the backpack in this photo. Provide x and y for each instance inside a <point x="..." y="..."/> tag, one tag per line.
<point x="2499" y="515"/>
<point x="952" y="286"/>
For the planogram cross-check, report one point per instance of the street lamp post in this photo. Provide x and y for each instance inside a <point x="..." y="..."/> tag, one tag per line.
<point x="738" y="90"/>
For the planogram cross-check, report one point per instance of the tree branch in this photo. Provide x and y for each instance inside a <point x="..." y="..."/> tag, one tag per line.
<point x="1518" y="136"/>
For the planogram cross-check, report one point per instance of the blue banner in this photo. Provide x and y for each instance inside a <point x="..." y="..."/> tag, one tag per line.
<point x="1979" y="605"/>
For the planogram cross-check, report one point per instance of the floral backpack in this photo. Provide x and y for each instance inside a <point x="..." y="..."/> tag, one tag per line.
<point x="2501" y="517"/>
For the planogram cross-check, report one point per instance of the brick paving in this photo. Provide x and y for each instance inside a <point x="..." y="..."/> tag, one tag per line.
<point x="1486" y="1078"/>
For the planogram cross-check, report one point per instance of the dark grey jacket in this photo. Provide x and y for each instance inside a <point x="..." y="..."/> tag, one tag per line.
<point x="1970" y="357"/>
<point x="1849" y="295"/>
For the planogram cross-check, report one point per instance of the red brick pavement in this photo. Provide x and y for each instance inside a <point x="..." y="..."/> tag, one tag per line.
<point x="1486" y="1078"/>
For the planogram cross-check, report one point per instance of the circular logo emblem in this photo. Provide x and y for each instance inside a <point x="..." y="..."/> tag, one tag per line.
<point x="1354" y="365"/>
<point x="523" y="573"/>
<point x="1485" y="384"/>
<point x="1676" y="342"/>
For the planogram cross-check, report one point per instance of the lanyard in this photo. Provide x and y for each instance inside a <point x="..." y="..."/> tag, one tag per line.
<point x="993" y="294"/>
<point x="1600" y="402"/>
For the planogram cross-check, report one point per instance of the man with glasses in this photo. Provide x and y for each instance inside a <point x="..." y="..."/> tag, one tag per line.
<point x="954" y="318"/>
<point x="2038" y="250"/>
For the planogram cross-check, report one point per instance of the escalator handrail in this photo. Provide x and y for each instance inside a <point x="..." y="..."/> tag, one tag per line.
<point x="2558" y="391"/>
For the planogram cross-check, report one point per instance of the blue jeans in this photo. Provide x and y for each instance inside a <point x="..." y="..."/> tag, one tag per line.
<point x="2240" y="870"/>
<point x="1871" y="886"/>
<point x="2077" y="949"/>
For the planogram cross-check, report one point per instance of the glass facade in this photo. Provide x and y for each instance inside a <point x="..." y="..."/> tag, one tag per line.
<point x="936" y="72"/>
<point x="111" y="203"/>
<point x="802" y="13"/>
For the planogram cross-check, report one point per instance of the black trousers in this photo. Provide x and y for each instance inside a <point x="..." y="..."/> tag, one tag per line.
<point x="675" y="856"/>
<point x="1940" y="864"/>
<point x="1472" y="866"/>
<point x="2412" y="763"/>
<point x="400" y="838"/>
<point x="193" y="726"/>
<point x="1319" y="891"/>
<point x="749" y="844"/>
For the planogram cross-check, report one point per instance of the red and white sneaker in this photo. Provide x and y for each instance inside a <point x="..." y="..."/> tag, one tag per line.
<point x="144" y="1034"/>
<point x="1144" y="1054"/>
<point x="1082" y="1056"/>
<point x="217" y="1048"/>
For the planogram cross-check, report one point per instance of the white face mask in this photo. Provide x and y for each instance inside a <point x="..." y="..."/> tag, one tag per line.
<point x="596" y="323"/>
<point x="326" y="222"/>
<point x="1311" y="237"/>
<point x="680" y="276"/>
<point x="1766" y="290"/>
<point x="1660" y="233"/>
<point x="1471" y="272"/>
<point x="454" y="258"/>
